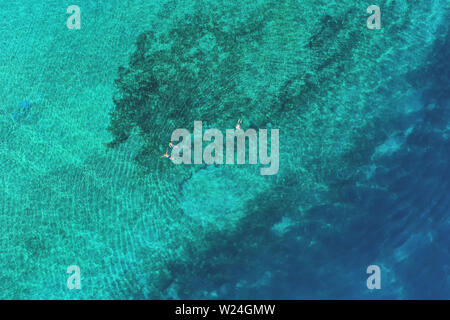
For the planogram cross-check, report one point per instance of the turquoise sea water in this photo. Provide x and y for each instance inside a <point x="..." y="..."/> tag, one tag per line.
<point x="364" y="150"/>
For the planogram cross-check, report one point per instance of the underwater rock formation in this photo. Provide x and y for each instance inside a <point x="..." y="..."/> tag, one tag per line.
<point x="311" y="69"/>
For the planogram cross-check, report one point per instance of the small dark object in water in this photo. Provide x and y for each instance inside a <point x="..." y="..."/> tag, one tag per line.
<point x="23" y="112"/>
<point x="25" y="105"/>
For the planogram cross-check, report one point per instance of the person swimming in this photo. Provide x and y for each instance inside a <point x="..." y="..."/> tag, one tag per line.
<point x="172" y="145"/>
<point x="238" y="125"/>
<point x="166" y="155"/>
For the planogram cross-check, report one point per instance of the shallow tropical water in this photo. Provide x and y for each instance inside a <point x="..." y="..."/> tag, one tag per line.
<point x="364" y="119"/>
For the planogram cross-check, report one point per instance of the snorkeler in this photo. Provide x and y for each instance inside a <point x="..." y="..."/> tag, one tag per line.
<point x="238" y="125"/>
<point x="166" y="155"/>
<point x="172" y="145"/>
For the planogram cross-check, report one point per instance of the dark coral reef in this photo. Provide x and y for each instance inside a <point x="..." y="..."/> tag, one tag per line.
<point x="311" y="69"/>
